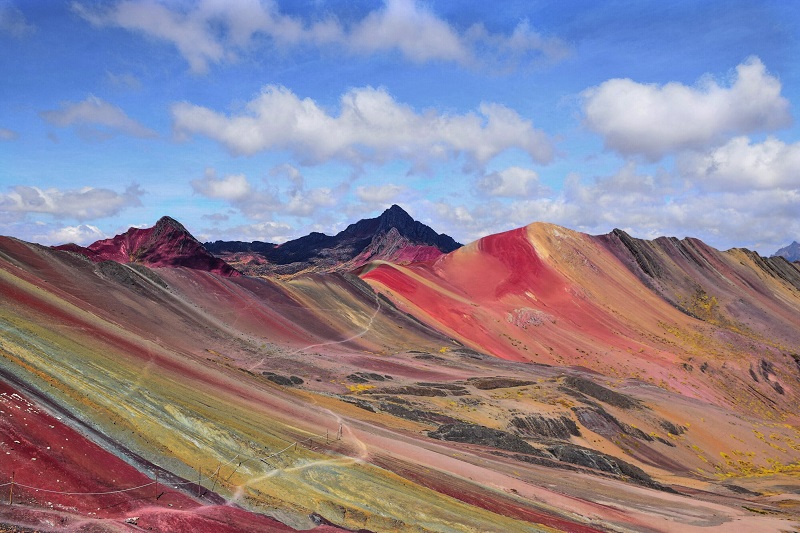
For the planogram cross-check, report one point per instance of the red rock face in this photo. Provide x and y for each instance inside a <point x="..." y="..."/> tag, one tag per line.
<point x="167" y="244"/>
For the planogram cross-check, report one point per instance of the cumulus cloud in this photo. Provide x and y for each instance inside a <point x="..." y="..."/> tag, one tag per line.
<point x="8" y="135"/>
<point x="302" y="202"/>
<point x="13" y="21"/>
<point x="82" y="234"/>
<point x="413" y="30"/>
<point x="232" y="188"/>
<point x="263" y="203"/>
<point x="653" y="120"/>
<point x="371" y="127"/>
<point x="511" y="182"/>
<point x="379" y="194"/>
<point x="649" y="204"/>
<point x="267" y="231"/>
<point x="88" y="203"/>
<point x="187" y="31"/>
<point x="214" y="31"/>
<point x="741" y="164"/>
<point x="96" y="119"/>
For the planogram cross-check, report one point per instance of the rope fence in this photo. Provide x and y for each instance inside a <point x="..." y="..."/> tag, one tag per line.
<point x="216" y="475"/>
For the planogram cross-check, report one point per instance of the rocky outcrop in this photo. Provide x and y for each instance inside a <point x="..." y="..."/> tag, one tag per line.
<point x="605" y="424"/>
<point x="540" y="427"/>
<point x="498" y="383"/>
<point x="590" y="388"/>
<point x="475" y="434"/>
<point x="578" y="455"/>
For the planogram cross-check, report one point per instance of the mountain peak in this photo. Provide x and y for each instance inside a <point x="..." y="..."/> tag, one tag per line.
<point x="167" y="244"/>
<point x="170" y="222"/>
<point x="393" y="236"/>
<point x="791" y="253"/>
<point x="396" y="217"/>
<point x="397" y="211"/>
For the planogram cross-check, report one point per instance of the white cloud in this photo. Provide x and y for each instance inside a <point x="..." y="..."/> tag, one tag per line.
<point x="231" y="188"/>
<point x="652" y="120"/>
<point x="414" y="30"/>
<point x="8" y="135"/>
<point x="646" y="204"/>
<point x="371" y="127"/>
<point x="87" y="203"/>
<point x="379" y="194"/>
<point x="741" y="164"/>
<point x="216" y="31"/>
<point x="302" y="202"/>
<point x="512" y="182"/>
<point x="190" y="33"/>
<point x="83" y="234"/>
<point x="96" y="119"/>
<point x="268" y="231"/>
<point x="265" y="203"/>
<point x="13" y="21"/>
<point x="524" y="45"/>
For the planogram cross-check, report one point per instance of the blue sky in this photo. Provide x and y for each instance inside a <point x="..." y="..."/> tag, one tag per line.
<point x="265" y="120"/>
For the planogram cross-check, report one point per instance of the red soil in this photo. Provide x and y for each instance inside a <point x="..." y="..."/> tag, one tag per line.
<point x="471" y="291"/>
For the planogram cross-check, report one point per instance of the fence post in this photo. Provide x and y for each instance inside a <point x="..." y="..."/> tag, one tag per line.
<point x="214" y="485"/>
<point x="11" y="490"/>
<point x="199" y="477"/>
<point x="155" y="490"/>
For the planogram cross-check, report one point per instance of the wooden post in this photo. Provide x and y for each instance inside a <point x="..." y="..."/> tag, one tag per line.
<point x="199" y="477"/>
<point x="326" y="437"/>
<point x="155" y="490"/>
<point x="214" y="485"/>
<point x="11" y="491"/>
<point x="234" y="471"/>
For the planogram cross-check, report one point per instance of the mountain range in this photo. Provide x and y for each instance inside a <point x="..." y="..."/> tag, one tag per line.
<point x="393" y="236"/>
<point x="387" y="378"/>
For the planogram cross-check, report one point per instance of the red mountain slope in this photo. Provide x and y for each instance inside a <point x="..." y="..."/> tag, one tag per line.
<point x="213" y="378"/>
<point x="167" y="244"/>
<point x="704" y="322"/>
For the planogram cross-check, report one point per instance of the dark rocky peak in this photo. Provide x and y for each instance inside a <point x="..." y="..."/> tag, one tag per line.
<point x="791" y="253"/>
<point x="392" y="236"/>
<point x="396" y="217"/>
<point x="166" y="222"/>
